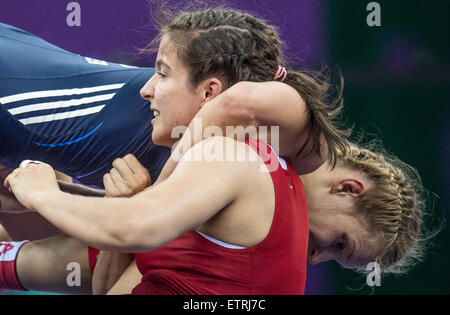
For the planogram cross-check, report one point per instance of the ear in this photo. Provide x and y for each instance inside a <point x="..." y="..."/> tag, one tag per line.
<point x="210" y="89"/>
<point x="352" y="187"/>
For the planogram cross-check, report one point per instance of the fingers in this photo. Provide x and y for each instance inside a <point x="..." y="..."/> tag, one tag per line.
<point x="142" y="175"/>
<point x="110" y="188"/>
<point x="117" y="178"/>
<point x="130" y="168"/>
<point x="26" y="162"/>
<point x="6" y="183"/>
<point x="127" y="177"/>
<point x="122" y="170"/>
<point x="26" y="167"/>
<point x="135" y="165"/>
<point x="9" y="178"/>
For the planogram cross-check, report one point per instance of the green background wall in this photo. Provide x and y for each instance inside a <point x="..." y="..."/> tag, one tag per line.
<point x="397" y="88"/>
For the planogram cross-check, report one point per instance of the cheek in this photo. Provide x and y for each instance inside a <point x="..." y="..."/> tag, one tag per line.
<point x="325" y="229"/>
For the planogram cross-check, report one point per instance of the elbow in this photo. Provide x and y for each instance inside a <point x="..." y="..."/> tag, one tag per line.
<point x="238" y="103"/>
<point x="131" y="236"/>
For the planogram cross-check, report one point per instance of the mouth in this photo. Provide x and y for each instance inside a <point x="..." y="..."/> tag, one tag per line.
<point x="156" y="112"/>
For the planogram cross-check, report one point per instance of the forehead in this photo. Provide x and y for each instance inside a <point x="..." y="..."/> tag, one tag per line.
<point x="167" y="54"/>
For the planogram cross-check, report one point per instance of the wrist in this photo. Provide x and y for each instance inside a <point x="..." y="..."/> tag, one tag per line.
<point x="41" y="198"/>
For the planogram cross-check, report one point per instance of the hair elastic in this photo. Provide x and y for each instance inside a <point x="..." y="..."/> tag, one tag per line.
<point x="280" y="73"/>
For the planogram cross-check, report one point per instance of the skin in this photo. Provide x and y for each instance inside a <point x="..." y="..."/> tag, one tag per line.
<point x="4" y="236"/>
<point x="246" y="104"/>
<point x="337" y="232"/>
<point x="94" y="220"/>
<point x="115" y="274"/>
<point x="195" y="207"/>
<point x="18" y="223"/>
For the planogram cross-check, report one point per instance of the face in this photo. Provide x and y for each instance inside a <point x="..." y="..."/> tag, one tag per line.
<point x="338" y="235"/>
<point x="173" y="101"/>
<point x="336" y="231"/>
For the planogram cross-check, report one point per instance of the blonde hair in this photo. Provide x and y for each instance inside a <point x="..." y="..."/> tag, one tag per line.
<point x="394" y="208"/>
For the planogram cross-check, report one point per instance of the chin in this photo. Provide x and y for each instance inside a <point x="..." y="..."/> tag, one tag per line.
<point x="156" y="138"/>
<point x="161" y="140"/>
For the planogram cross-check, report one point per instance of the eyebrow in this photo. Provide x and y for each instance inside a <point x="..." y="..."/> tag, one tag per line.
<point x="160" y="63"/>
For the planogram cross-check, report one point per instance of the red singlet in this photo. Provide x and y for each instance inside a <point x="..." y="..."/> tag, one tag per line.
<point x="192" y="264"/>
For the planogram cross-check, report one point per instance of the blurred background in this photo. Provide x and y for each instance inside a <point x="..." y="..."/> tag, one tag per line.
<point x="397" y="79"/>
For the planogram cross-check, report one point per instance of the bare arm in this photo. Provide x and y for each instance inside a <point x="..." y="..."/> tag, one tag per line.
<point x="254" y="104"/>
<point x="9" y="203"/>
<point x="135" y="224"/>
<point x="127" y="282"/>
<point x="127" y="178"/>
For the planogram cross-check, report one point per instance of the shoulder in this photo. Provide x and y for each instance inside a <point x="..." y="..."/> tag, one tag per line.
<point x="220" y="149"/>
<point x="222" y="159"/>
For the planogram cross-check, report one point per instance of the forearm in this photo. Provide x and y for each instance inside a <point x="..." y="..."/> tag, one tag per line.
<point x="109" y="268"/>
<point x="127" y="282"/>
<point x="9" y="204"/>
<point x="95" y="221"/>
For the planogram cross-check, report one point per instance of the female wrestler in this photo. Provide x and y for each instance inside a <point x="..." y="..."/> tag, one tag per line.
<point x="210" y="196"/>
<point x="47" y="114"/>
<point x="400" y="222"/>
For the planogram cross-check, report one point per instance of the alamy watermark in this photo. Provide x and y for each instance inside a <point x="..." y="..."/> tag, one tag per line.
<point x="74" y="17"/>
<point x="73" y="279"/>
<point x="374" y="277"/>
<point x="222" y="149"/>
<point x="374" y="17"/>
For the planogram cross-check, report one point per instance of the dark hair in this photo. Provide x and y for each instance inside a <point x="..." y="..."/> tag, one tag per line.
<point x="236" y="46"/>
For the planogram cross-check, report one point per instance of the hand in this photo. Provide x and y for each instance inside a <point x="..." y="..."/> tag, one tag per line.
<point x="30" y="182"/>
<point x="4" y="172"/>
<point x="127" y="178"/>
<point x="8" y="203"/>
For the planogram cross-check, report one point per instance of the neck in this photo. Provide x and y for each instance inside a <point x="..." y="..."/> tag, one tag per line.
<point x="313" y="178"/>
<point x="315" y="181"/>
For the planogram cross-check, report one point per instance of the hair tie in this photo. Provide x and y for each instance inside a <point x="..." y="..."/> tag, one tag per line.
<point x="280" y="73"/>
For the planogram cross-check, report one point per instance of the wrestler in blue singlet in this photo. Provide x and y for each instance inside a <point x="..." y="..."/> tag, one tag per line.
<point x="75" y="113"/>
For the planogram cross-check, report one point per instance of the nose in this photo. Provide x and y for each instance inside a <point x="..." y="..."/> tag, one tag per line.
<point x="148" y="90"/>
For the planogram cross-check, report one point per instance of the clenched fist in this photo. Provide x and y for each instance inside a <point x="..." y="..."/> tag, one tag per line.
<point x="127" y="178"/>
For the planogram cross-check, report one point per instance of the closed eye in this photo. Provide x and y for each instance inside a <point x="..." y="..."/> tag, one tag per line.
<point x="340" y="244"/>
<point x="162" y="75"/>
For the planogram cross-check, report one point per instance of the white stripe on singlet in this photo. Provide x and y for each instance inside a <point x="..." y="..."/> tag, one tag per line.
<point x="60" y="104"/>
<point x="60" y="116"/>
<point x="53" y="93"/>
<point x="216" y="241"/>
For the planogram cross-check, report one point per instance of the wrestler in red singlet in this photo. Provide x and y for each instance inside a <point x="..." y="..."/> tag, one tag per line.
<point x="194" y="264"/>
